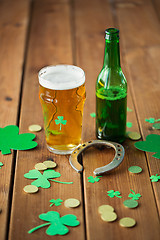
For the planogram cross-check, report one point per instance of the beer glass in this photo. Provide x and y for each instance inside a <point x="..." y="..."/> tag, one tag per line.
<point x="62" y="96"/>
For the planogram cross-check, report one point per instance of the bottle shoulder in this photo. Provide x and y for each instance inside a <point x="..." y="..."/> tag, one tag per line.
<point x="111" y="78"/>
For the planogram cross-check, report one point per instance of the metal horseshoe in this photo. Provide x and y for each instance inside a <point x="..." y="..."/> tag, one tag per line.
<point x="118" y="158"/>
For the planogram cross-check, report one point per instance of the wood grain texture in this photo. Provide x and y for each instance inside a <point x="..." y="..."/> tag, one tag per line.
<point x="138" y="24"/>
<point x="13" y="27"/>
<point x="141" y="61"/>
<point x="72" y="32"/>
<point x="89" y="51"/>
<point x="89" y="57"/>
<point x="144" y="74"/>
<point x="49" y="44"/>
<point x="156" y="4"/>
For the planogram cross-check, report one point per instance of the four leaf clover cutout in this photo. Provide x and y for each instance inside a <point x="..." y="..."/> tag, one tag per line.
<point x="56" y="202"/>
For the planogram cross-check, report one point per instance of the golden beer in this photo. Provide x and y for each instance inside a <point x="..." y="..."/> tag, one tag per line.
<point x="62" y="96"/>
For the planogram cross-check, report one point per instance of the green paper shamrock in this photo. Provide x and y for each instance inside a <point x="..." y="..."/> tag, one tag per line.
<point x="129" y="124"/>
<point x="42" y="180"/>
<point x="150" y="120"/>
<point x="129" y="110"/>
<point x="56" y="202"/>
<point x="57" y="223"/>
<point x="11" y="139"/>
<point x="155" y="178"/>
<point x="152" y="144"/>
<point x="1" y="164"/>
<point x="113" y="194"/>
<point x="94" y="179"/>
<point x="134" y="196"/>
<point x="60" y="121"/>
<point x="93" y="115"/>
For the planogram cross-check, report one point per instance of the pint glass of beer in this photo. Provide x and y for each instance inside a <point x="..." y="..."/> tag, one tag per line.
<point x="62" y="96"/>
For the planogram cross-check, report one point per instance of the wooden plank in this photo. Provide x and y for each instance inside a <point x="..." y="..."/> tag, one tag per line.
<point x="144" y="75"/>
<point x="50" y="43"/>
<point x="13" y="29"/>
<point x="156" y="4"/>
<point x="89" y="57"/>
<point x="139" y="29"/>
<point x="89" y="53"/>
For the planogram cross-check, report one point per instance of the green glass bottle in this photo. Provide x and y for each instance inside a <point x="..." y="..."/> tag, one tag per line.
<point x="111" y="92"/>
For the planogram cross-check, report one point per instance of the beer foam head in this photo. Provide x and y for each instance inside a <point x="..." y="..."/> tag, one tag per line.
<point x="61" y="77"/>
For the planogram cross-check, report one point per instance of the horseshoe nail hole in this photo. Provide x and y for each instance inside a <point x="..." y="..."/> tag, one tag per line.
<point x="89" y="141"/>
<point x="117" y="158"/>
<point x="78" y="148"/>
<point x="118" y="145"/>
<point x="119" y="149"/>
<point x="83" y="145"/>
<point x="74" y="152"/>
<point x="8" y="98"/>
<point x="119" y="154"/>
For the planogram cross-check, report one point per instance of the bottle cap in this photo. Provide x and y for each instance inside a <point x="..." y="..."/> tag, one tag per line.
<point x="112" y="34"/>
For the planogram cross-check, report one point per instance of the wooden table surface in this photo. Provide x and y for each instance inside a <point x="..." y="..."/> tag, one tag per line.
<point x="37" y="33"/>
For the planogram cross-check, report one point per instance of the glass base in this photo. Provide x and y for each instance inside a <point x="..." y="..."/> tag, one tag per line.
<point x="61" y="151"/>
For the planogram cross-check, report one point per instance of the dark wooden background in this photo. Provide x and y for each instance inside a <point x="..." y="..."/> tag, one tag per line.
<point x="37" y="33"/>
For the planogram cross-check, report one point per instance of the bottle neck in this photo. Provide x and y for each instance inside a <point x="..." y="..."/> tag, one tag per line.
<point x="112" y="54"/>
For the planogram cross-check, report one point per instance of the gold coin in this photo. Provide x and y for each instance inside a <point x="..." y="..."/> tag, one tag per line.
<point x="35" y="128"/>
<point x="127" y="222"/>
<point x="135" y="169"/>
<point x="50" y="164"/>
<point x="71" y="203"/>
<point x="30" y="189"/>
<point x="109" y="216"/>
<point x="134" y="135"/>
<point x="130" y="203"/>
<point x="40" y="166"/>
<point x="105" y="208"/>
